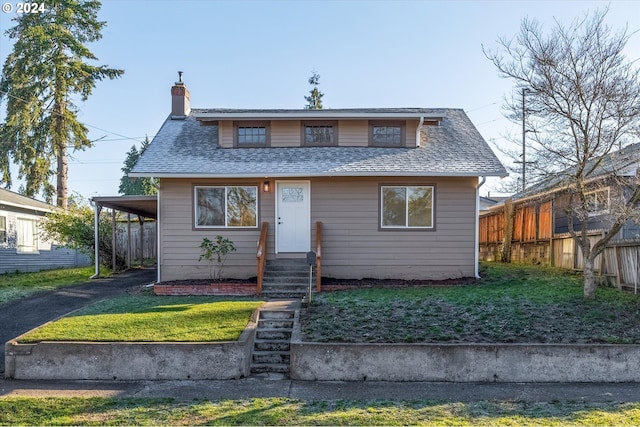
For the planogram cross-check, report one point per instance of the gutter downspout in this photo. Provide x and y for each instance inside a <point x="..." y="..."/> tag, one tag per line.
<point x="477" y="238"/>
<point x="96" y="224"/>
<point x="418" y="131"/>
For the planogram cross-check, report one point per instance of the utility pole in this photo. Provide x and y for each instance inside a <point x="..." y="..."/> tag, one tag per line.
<point x="524" y="151"/>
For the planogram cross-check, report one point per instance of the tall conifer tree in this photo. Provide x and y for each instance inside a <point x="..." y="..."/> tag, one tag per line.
<point x="136" y="186"/>
<point x="48" y="67"/>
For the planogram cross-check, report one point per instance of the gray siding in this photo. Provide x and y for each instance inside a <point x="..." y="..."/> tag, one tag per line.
<point x="354" y="246"/>
<point x="56" y="257"/>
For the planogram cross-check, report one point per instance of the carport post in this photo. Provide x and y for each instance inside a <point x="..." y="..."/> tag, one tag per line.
<point x="96" y="239"/>
<point x="113" y="239"/>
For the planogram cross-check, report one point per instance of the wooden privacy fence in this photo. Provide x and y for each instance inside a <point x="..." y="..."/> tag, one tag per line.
<point x="149" y="242"/>
<point x="533" y="241"/>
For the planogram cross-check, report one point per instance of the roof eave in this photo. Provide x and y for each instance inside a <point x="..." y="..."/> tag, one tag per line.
<point x="313" y="175"/>
<point x="315" y="114"/>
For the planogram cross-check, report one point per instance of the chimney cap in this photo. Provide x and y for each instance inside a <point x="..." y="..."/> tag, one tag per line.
<point x="180" y="78"/>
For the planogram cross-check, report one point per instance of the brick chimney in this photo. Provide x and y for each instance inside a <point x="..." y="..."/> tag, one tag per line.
<point x="180" y="108"/>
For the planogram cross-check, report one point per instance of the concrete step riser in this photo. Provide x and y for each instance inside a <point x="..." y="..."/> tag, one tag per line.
<point x="273" y="335"/>
<point x="285" y="285"/>
<point x="265" y="314"/>
<point x="287" y="279"/>
<point x="259" y="369"/>
<point x="272" y="346"/>
<point x="271" y="358"/>
<point x="275" y="324"/>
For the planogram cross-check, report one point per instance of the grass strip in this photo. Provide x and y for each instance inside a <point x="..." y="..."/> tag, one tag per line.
<point x="283" y="411"/>
<point x="14" y="286"/>
<point x="151" y="318"/>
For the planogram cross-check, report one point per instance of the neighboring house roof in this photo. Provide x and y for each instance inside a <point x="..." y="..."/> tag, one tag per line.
<point x="185" y="148"/>
<point x="623" y="162"/>
<point x="11" y="199"/>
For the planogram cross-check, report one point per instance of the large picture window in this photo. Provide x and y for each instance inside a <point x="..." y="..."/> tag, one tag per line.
<point x="226" y="206"/>
<point x="406" y="207"/>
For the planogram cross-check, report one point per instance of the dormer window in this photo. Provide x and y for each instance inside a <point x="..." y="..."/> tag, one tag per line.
<point x="320" y="133"/>
<point x="387" y="134"/>
<point x="252" y="134"/>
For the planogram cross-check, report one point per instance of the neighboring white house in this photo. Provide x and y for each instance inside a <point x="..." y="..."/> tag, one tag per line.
<point x="21" y="246"/>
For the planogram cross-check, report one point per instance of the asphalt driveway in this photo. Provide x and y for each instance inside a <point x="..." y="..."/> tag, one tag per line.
<point x="20" y="316"/>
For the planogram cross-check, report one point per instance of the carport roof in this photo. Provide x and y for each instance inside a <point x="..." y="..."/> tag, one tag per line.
<point x="146" y="206"/>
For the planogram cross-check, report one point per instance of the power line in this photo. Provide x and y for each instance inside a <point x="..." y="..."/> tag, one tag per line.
<point x="122" y="137"/>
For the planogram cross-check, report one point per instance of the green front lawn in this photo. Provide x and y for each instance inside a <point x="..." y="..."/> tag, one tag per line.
<point x="14" y="286"/>
<point x="511" y="303"/>
<point x="149" y="318"/>
<point x="282" y="411"/>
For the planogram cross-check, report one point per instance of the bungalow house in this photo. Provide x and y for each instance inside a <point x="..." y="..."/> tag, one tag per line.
<point x="21" y="246"/>
<point x="394" y="191"/>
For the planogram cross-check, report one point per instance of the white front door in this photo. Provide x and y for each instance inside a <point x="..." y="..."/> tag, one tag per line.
<point x="293" y="219"/>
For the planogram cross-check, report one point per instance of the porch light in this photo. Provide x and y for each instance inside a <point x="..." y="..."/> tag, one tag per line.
<point x="266" y="186"/>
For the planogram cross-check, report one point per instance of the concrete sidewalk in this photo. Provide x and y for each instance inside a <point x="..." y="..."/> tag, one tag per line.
<point x="315" y="390"/>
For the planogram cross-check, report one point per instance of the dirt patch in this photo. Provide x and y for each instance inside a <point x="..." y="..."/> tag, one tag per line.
<point x="330" y="283"/>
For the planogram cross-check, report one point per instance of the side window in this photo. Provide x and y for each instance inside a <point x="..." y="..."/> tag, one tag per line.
<point x="27" y="230"/>
<point x="3" y="230"/>
<point x="406" y="207"/>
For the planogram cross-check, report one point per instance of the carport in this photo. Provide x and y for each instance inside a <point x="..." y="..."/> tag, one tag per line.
<point x="142" y="206"/>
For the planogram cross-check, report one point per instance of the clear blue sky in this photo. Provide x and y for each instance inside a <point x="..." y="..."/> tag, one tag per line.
<point x="259" y="54"/>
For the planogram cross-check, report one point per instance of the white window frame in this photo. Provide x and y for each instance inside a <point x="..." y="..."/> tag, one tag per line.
<point x="226" y="209"/>
<point x="407" y="226"/>
<point x="21" y="247"/>
<point x="3" y="229"/>
<point x="592" y="195"/>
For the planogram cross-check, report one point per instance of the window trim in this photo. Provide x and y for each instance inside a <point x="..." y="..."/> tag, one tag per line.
<point x="3" y="241"/>
<point x="194" y="206"/>
<point x="407" y="227"/>
<point x="607" y="209"/>
<point x="388" y="123"/>
<point x="252" y="124"/>
<point x="327" y="123"/>
<point x="36" y="236"/>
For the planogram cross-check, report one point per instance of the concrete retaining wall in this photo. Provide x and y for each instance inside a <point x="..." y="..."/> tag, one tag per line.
<point x="464" y="362"/>
<point x="130" y="361"/>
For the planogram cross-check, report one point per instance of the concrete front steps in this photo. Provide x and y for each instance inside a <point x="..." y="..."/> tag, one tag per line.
<point x="271" y="349"/>
<point x="286" y="278"/>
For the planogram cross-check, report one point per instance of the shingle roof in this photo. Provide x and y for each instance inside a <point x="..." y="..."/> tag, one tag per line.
<point x="9" y="198"/>
<point x="184" y="148"/>
<point x="623" y="162"/>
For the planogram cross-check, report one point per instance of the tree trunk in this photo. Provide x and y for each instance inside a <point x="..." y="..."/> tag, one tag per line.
<point x="505" y="256"/>
<point x="589" y="280"/>
<point x="62" y="173"/>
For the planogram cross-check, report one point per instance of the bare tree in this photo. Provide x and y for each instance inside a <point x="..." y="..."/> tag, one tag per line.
<point x="582" y="105"/>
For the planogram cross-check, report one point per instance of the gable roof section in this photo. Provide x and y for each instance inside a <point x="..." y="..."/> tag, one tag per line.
<point x="186" y="149"/>
<point x="623" y="162"/>
<point x="10" y="199"/>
